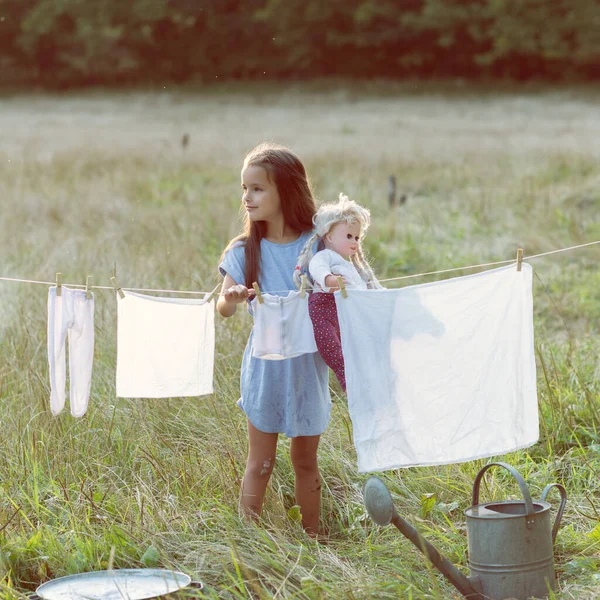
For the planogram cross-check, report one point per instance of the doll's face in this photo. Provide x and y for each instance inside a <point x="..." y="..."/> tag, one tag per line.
<point x="343" y="238"/>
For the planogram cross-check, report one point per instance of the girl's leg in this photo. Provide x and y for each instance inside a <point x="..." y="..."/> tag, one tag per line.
<point x="326" y="327"/>
<point x="262" y="448"/>
<point x="303" y="453"/>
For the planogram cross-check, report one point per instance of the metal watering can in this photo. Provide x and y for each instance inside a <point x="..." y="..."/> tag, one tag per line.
<point x="510" y="542"/>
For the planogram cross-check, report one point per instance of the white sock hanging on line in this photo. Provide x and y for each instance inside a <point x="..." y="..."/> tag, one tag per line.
<point x="70" y="316"/>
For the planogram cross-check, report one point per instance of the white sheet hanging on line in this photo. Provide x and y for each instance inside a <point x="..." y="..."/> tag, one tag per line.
<point x="282" y="327"/>
<point x="442" y="372"/>
<point x="165" y="347"/>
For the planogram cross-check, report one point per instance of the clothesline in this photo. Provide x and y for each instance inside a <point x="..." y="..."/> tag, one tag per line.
<point x="100" y="287"/>
<point x="500" y="262"/>
<point x="490" y="264"/>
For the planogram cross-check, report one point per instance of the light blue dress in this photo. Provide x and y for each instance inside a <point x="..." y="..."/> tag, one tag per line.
<point x="288" y="396"/>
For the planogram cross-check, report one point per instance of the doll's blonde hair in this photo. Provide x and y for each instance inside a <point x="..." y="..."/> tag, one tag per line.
<point x="328" y="215"/>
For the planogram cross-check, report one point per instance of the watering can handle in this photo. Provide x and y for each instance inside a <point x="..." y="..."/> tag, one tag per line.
<point x="561" y="508"/>
<point x="522" y="486"/>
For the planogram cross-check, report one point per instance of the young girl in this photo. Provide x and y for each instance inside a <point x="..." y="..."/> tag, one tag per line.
<point x="339" y="228"/>
<point x="288" y="396"/>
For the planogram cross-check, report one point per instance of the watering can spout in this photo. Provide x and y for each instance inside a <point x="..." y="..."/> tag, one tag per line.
<point x="380" y="507"/>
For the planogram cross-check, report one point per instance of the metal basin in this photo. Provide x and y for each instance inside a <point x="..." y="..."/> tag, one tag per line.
<point x="118" y="584"/>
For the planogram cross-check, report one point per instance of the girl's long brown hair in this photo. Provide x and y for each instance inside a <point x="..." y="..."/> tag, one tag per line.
<point x="298" y="205"/>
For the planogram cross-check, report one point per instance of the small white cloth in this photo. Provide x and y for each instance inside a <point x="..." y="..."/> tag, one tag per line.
<point x="165" y="347"/>
<point x="442" y="372"/>
<point x="282" y="327"/>
<point x="70" y="316"/>
<point x="327" y="262"/>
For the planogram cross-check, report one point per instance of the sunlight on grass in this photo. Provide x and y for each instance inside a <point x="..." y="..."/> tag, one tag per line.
<point x="164" y="474"/>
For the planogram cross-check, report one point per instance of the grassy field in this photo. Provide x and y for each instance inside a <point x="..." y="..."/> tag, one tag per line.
<point x="87" y="181"/>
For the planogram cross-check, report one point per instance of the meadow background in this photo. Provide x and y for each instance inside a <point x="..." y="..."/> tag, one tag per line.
<point x="91" y="179"/>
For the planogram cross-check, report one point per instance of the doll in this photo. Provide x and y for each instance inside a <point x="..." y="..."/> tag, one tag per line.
<point x="339" y="229"/>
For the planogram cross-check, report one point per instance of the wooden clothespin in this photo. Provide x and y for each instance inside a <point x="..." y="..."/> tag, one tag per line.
<point x="117" y="287"/>
<point x="59" y="284"/>
<point x="88" y="287"/>
<point x="303" y="286"/>
<point x="213" y="294"/>
<point x="519" y="259"/>
<point x="342" y="286"/>
<point x="258" y="294"/>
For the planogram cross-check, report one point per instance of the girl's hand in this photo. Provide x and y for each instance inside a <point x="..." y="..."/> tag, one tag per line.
<point x="332" y="283"/>
<point x="231" y="295"/>
<point x="237" y="294"/>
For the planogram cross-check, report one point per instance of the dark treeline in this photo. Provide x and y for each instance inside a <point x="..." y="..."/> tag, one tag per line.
<point x="61" y="43"/>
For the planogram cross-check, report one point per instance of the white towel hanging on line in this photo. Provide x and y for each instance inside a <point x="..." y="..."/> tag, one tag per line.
<point x="442" y="372"/>
<point x="165" y="347"/>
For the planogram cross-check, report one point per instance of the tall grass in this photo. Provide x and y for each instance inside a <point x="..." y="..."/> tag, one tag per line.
<point x="87" y="182"/>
